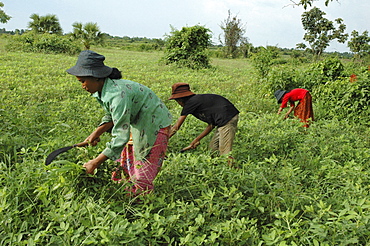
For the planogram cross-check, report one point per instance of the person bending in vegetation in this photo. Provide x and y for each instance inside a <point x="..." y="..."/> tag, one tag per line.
<point x="129" y="107"/>
<point x="303" y="110"/>
<point x="213" y="109"/>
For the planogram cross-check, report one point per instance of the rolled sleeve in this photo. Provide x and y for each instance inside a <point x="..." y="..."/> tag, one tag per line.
<point x="107" y="118"/>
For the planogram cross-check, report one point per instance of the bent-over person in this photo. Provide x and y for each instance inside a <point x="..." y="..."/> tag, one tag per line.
<point x="217" y="111"/>
<point x="303" y="110"/>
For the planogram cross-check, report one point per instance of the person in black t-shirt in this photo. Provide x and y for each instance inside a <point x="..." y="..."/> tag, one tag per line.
<point x="213" y="109"/>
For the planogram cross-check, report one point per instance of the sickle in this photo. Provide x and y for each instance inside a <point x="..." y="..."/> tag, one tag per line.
<point x="55" y="153"/>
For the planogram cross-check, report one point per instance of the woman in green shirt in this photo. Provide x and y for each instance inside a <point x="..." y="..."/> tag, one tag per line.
<point x="130" y="107"/>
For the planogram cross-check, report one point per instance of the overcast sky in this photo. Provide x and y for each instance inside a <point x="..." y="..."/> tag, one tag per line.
<point x="267" y="22"/>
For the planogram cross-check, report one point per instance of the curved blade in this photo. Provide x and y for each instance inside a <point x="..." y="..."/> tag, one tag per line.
<point x="55" y="153"/>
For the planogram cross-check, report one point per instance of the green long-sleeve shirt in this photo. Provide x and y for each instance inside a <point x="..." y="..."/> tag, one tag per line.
<point x="131" y="107"/>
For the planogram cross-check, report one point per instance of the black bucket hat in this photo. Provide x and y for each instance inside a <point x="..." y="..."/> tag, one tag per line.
<point x="90" y="63"/>
<point x="279" y="95"/>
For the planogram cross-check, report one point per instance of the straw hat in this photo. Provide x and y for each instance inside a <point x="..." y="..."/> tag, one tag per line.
<point x="90" y="63"/>
<point x="180" y="90"/>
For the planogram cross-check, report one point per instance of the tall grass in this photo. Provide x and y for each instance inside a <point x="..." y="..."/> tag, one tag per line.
<point x="291" y="186"/>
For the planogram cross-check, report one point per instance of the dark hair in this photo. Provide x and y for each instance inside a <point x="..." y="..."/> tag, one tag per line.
<point x="115" y="74"/>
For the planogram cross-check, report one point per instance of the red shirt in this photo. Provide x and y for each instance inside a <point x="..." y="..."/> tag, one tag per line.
<point x="292" y="96"/>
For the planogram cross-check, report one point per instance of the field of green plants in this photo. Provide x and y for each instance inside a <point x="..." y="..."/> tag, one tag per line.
<point x="291" y="185"/>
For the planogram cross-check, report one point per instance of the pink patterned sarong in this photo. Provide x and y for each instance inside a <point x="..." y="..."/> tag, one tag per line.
<point x="143" y="172"/>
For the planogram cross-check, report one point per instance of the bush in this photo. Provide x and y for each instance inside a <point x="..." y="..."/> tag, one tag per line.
<point x="345" y="100"/>
<point x="187" y="48"/>
<point x="320" y="73"/>
<point x="44" y="43"/>
<point x="324" y="71"/>
<point x="282" y="77"/>
<point x="263" y="60"/>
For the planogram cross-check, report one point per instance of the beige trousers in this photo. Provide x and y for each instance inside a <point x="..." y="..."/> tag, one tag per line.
<point x="223" y="138"/>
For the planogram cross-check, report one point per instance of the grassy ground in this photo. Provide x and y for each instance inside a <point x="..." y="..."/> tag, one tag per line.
<point x="291" y="186"/>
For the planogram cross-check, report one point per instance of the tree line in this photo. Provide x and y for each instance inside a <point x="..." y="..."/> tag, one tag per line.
<point x="193" y="42"/>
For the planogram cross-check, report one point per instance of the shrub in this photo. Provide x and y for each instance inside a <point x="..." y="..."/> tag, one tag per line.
<point x="343" y="99"/>
<point x="282" y="77"/>
<point x="44" y="43"/>
<point x="319" y="73"/>
<point x="188" y="47"/>
<point x="263" y="60"/>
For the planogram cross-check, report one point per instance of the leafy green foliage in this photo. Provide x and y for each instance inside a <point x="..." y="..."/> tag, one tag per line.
<point x="359" y="44"/>
<point x="339" y="93"/>
<point x="319" y="73"/>
<point x="188" y="47"/>
<point x="306" y="3"/>
<point x="44" y="43"/>
<point x="320" y="31"/>
<point x="4" y="18"/>
<point x="291" y="185"/>
<point x="263" y="60"/>
<point x="284" y="76"/>
<point x="347" y="100"/>
<point x="89" y="34"/>
<point x="45" y="24"/>
<point x="329" y="69"/>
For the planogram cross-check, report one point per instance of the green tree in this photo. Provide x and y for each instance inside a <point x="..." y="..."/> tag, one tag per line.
<point x="320" y="31"/>
<point x="359" y="44"/>
<point x="187" y="47"/>
<point x="233" y="35"/>
<point x="306" y="3"/>
<point x="45" y="24"/>
<point x="88" y="33"/>
<point x="3" y="17"/>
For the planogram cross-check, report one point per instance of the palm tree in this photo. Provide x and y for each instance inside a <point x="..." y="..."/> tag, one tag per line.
<point x="88" y="34"/>
<point x="45" y="24"/>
